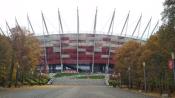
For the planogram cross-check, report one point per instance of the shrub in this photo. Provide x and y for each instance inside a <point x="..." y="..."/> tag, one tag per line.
<point x="113" y="83"/>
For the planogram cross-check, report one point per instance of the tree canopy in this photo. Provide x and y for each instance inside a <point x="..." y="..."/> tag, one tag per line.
<point x="20" y="54"/>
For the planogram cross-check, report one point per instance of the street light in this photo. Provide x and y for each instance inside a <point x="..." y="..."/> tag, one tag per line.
<point x="40" y="75"/>
<point x="129" y="68"/>
<point x="17" y="76"/>
<point x="31" y="73"/>
<point x="144" y="65"/>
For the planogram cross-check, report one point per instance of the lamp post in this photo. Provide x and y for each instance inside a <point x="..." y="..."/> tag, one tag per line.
<point x="144" y="65"/>
<point x="119" y="75"/>
<point x="129" y="76"/>
<point x="40" y="76"/>
<point x="31" y="73"/>
<point x="17" y="76"/>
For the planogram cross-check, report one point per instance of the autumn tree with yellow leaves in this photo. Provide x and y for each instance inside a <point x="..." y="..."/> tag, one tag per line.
<point x="26" y="54"/>
<point x="20" y="54"/>
<point x="5" y="58"/>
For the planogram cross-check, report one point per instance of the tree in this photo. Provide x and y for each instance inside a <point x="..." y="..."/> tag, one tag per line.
<point x="126" y="57"/>
<point x="168" y="15"/>
<point x="156" y="59"/>
<point x="166" y="35"/>
<point x="167" y="31"/>
<point x="26" y="53"/>
<point x="6" y="53"/>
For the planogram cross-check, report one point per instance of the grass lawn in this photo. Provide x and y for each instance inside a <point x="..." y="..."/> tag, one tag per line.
<point x="80" y="75"/>
<point x="66" y="74"/>
<point x="92" y="77"/>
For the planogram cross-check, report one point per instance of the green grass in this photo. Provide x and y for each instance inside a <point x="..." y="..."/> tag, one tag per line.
<point x="114" y="83"/>
<point x="36" y="80"/>
<point x="79" y="75"/>
<point x="92" y="77"/>
<point x="65" y="74"/>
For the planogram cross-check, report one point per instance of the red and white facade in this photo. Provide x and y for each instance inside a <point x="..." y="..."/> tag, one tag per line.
<point x="91" y="53"/>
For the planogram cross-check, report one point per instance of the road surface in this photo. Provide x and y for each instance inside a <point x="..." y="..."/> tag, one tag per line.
<point x="69" y="91"/>
<point x="70" y="88"/>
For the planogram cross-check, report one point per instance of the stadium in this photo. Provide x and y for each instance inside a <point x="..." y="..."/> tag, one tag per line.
<point x="86" y="54"/>
<point x="83" y="52"/>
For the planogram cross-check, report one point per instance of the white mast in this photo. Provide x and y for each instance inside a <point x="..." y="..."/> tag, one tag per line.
<point x="155" y="27"/>
<point x="94" y="32"/>
<point x="126" y="21"/>
<point x="28" y="19"/>
<point x="60" y="34"/>
<point x="45" y="51"/>
<point x="146" y="28"/>
<point x="2" y="31"/>
<point x="77" y="40"/>
<point x="109" y="42"/>
<point x="8" y="28"/>
<point x="137" y="25"/>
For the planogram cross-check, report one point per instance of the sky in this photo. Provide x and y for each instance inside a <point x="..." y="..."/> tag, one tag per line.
<point x="10" y="9"/>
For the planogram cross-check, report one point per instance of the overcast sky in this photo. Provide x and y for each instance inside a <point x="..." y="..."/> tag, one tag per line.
<point x="10" y="9"/>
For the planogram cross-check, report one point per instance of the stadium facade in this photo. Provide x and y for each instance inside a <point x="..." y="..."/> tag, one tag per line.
<point x="90" y="53"/>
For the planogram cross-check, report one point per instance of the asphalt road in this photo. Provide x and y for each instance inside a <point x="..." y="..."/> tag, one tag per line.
<point x="70" y="88"/>
<point x="69" y="91"/>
